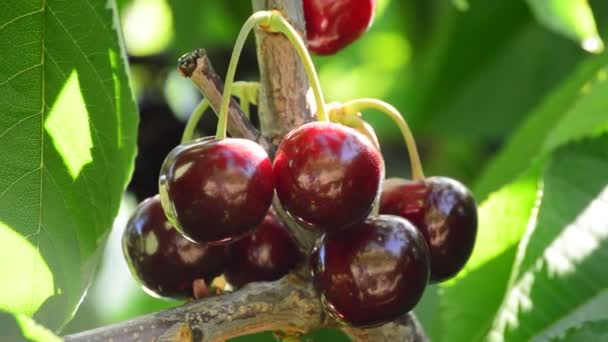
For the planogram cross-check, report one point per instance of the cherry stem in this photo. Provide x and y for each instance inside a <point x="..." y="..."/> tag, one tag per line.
<point x="195" y="117"/>
<point x="359" y="105"/>
<point x="280" y="24"/>
<point x="262" y="18"/>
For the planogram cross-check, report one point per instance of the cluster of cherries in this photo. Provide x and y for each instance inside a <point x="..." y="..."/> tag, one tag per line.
<point x="381" y="241"/>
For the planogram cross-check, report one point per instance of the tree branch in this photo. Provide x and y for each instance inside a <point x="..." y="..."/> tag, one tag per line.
<point x="197" y="66"/>
<point x="289" y="304"/>
<point x="284" y="86"/>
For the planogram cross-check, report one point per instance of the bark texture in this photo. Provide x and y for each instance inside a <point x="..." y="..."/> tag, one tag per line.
<point x="289" y="304"/>
<point x="284" y="88"/>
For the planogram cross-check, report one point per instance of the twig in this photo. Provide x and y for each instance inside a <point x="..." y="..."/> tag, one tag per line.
<point x="197" y="66"/>
<point x="288" y="304"/>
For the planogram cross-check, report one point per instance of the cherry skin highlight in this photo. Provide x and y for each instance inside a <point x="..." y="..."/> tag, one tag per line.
<point x="216" y="191"/>
<point x="331" y="25"/>
<point x="267" y="254"/>
<point x="372" y="273"/>
<point x="445" y="212"/>
<point x="327" y="175"/>
<point x="161" y="259"/>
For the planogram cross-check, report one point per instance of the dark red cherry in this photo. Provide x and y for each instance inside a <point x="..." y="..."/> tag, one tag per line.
<point x="371" y="273"/>
<point x="215" y="191"/>
<point x="161" y="259"/>
<point x="327" y="175"/>
<point x="445" y="212"/>
<point x="333" y="24"/>
<point x="267" y="254"/>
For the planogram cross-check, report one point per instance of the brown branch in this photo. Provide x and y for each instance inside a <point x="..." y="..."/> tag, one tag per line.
<point x="289" y="304"/>
<point x="197" y="66"/>
<point x="283" y="103"/>
<point x="284" y="86"/>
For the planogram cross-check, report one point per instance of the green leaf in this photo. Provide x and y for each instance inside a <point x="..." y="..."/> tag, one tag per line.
<point x="493" y="77"/>
<point x="502" y="221"/>
<point x="497" y="94"/>
<point x="452" y="57"/>
<point x="573" y="19"/>
<point x="21" y="328"/>
<point x="67" y="127"/>
<point x="588" y="331"/>
<point x="576" y="109"/>
<point x="559" y="279"/>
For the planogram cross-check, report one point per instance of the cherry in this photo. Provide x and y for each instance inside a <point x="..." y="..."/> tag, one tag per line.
<point x="327" y="175"/>
<point x="445" y="212"/>
<point x="161" y="259"/>
<point x="215" y="191"/>
<point x="374" y="273"/>
<point x="267" y="254"/>
<point x="333" y="24"/>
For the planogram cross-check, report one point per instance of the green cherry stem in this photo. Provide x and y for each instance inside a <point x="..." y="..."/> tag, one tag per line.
<point x="355" y="106"/>
<point x="280" y="24"/>
<point x="261" y="18"/>
<point x="195" y="117"/>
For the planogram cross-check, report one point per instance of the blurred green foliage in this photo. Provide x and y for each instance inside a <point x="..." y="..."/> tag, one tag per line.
<point x="490" y="92"/>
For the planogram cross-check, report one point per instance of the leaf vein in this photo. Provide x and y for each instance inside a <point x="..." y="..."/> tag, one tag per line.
<point x="43" y="104"/>
<point x="19" y="122"/>
<point x="19" y="73"/>
<point x="17" y="181"/>
<point x="21" y="17"/>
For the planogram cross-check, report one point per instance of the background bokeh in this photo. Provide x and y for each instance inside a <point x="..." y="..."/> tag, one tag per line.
<point x="464" y="81"/>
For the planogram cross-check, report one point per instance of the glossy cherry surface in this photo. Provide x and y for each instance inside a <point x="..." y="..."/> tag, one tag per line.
<point x="445" y="212"/>
<point x="161" y="259"/>
<point x="371" y="273"/>
<point x="267" y="254"/>
<point x="327" y="176"/>
<point x="333" y="24"/>
<point x="215" y="191"/>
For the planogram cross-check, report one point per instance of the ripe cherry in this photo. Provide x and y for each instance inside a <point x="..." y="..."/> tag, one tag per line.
<point x="327" y="175"/>
<point x="372" y="274"/>
<point x="215" y="191"/>
<point x="445" y="212"/>
<point x="333" y="24"/>
<point x="267" y="254"/>
<point x="161" y="259"/>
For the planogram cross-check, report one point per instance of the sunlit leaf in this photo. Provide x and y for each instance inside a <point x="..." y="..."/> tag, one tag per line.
<point x="67" y="127"/>
<point x="573" y="19"/>
<point x="577" y="108"/>
<point x="559" y="277"/>
<point x="21" y="328"/>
